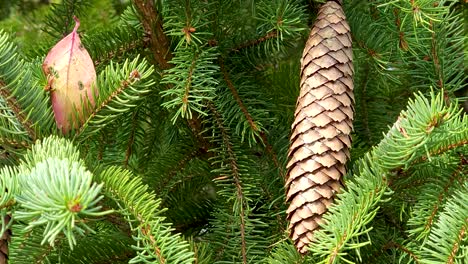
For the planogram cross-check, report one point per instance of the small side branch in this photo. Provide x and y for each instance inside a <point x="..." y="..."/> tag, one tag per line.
<point x="232" y="159"/>
<point x="180" y="166"/>
<point x="122" y="50"/>
<point x="435" y="57"/>
<point x="16" y="108"/>
<point x="456" y="246"/>
<point x="131" y="139"/>
<point x="237" y="97"/>
<point x="124" y="84"/>
<point x="249" y="118"/>
<point x="443" y="193"/>
<point x="392" y="244"/>
<point x="442" y="150"/>
<point x="256" y="42"/>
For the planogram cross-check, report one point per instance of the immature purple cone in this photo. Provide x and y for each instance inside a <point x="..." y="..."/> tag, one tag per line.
<point x="320" y="139"/>
<point x="71" y="80"/>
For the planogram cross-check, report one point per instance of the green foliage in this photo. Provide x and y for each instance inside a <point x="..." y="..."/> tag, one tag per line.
<point x="190" y="82"/>
<point x="183" y="158"/>
<point x="69" y="192"/>
<point x="155" y="243"/>
<point x="25" y="109"/>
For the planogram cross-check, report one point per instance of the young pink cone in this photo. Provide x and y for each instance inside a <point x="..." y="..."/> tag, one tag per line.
<point x="71" y="80"/>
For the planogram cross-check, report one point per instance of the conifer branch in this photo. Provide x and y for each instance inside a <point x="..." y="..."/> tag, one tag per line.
<point x="28" y="241"/>
<point x="371" y="182"/>
<point x="151" y="21"/>
<point x="131" y="138"/>
<point x="15" y="144"/>
<point x="141" y="209"/>
<point x="124" y="84"/>
<point x="456" y="246"/>
<point x="120" y="87"/>
<point x="435" y="57"/>
<point x="232" y="161"/>
<point x="456" y="176"/>
<point x="196" y="127"/>
<point x="15" y="107"/>
<point x="363" y="103"/>
<point x="249" y="118"/>
<point x="392" y="244"/>
<point x="236" y="96"/>
<point x="105" y="58"/>
<point x="188" y="81"/>
<point x="270" y="35"/>
<point x="177" y="168"/>
<point x="273" y="154"/>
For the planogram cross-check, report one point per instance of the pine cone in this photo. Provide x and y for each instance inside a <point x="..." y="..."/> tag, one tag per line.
<point x="320" y="139"/>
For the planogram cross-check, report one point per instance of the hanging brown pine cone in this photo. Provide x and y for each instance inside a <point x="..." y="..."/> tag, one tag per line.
<point x="320" y="139"/>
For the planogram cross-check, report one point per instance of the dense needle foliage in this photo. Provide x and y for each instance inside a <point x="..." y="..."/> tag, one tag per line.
<point x="183" y="158"/>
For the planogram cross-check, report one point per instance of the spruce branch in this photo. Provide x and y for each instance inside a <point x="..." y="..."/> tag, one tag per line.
<point x="435" y="57"/>
<point x="151" y="20"/>
<point x="13" y="104"/>
<point x="155" y="242"/>
<point x="232" y="163"/>
<point x="60" y="19"/>
<point x="186" y="22"/>
<point x="357" y="206"/>
<point x="441" y="150"/>
<point x="455" y="177"/>
<point x="26" y="247"/>
<point x="255" y="42"/>
<point x="428" y="200"/>
<point x="131" y="138"/>
<point x="152" y="23"/>
<point x="393" y="244"/>
<point x="234" y="92"/>
<point x="191" y="81"/>
<point x="105" y="46"/>
<point x="449" y="233"/>
<point x="27" y="113"/>
<point x="256" y="130"/>
<point x="121" y="88"/>
<point x="237" y="228"/>
<point x="57" y="193"/>
<point x="178" y="168"/>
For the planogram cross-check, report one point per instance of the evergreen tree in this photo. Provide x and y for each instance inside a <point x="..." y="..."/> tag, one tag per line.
<point x="182" y="157"/>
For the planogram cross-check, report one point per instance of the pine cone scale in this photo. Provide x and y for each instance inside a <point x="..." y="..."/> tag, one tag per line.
<point x="320" y="138"/>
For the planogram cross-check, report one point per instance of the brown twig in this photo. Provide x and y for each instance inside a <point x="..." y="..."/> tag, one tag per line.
<point x="392" y="244"/>
<point x="152" y="23"/>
